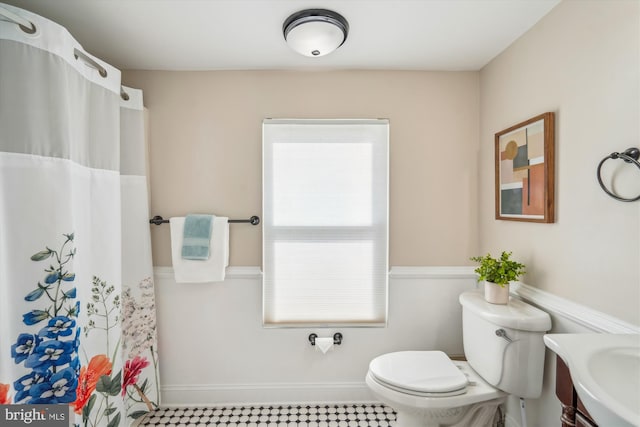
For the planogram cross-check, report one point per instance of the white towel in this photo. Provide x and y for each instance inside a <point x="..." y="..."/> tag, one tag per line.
<point x="199" y="271"/>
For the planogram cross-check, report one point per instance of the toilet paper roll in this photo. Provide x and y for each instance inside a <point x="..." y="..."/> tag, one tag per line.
<point x="324" y="344"/>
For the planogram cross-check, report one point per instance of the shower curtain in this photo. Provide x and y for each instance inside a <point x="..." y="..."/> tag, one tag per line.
<point x="77" y="313"/>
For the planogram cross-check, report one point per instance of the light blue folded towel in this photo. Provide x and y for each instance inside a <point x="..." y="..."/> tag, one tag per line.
<point x="197" y="236"/>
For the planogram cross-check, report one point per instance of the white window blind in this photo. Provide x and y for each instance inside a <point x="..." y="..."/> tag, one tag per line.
<point x="325" y="222"/>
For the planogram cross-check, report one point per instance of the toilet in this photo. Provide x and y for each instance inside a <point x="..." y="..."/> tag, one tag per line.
<point x="505" y="356"/>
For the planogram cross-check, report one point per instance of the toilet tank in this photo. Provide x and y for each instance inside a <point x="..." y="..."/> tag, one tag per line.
<point x="514" y="362"/>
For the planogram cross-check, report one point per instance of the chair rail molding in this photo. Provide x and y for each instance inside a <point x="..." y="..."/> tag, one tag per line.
<point x="577" y="313"/>
<point x="240" y="272"/>
<point x="553" y="304"/>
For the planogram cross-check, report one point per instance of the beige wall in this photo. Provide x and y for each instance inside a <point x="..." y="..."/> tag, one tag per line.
<point x="205" y="156"/>
<point x="581" y="61"/>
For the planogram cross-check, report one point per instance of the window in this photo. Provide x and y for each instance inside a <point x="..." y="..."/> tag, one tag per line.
<point x="325" y="222"/>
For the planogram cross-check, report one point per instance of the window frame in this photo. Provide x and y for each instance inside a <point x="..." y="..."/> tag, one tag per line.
<point x="291" y="233"/>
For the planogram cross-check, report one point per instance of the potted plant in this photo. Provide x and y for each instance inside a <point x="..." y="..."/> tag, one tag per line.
<point x="497" y="273"/>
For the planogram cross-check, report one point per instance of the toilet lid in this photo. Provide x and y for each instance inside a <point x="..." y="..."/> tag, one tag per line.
<point x="422" y="371"/>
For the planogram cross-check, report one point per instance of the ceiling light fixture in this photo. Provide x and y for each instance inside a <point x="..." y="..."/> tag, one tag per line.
<point x="315" y="32"/>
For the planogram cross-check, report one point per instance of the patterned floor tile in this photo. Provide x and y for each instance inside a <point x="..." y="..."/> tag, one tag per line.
<point x="334" y="415"/>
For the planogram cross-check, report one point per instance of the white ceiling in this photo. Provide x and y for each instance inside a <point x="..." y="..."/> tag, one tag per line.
<point x="247" y="34"/>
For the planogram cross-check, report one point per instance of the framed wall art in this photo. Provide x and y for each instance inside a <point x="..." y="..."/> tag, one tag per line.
<point x="524" y="165"/>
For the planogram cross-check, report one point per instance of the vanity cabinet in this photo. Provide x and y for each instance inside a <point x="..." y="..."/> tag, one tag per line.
<point x="574" y="414"/>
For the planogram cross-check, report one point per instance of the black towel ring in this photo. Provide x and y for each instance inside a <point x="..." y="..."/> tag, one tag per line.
<point x="630" y="155"/>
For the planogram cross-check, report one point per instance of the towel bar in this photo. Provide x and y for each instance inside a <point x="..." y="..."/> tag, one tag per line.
<point x="254" y="220"/>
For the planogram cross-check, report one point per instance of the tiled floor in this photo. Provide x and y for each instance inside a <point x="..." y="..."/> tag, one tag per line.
<point x="337" y="415"/>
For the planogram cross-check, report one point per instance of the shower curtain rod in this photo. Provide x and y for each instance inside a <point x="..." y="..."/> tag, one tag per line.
<point x="254" y="220"/>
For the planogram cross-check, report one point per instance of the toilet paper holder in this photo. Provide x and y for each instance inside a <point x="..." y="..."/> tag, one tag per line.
<point x="337" y="338"/>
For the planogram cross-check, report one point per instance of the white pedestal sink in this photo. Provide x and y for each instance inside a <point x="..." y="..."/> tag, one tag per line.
<point x="605" y="370"/>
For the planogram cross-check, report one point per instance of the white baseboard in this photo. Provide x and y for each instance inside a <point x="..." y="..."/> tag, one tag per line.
<point x="264" y="393"/>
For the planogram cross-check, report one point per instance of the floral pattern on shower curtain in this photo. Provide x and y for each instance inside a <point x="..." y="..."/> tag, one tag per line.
<point x="140" y="384"/>
<point x="77" y="311"/>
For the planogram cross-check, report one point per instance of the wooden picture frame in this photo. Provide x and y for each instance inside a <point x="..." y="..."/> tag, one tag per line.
<point x="524" y="170"/>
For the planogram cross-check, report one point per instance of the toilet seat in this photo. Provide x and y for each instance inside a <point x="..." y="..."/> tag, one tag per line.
<point x="419" y="373"/>
<point x="419" y="393"/>
<point x="477" y="391"/>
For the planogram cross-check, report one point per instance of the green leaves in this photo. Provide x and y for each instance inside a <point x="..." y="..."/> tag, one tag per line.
<point x="87" y="408"/>
<point x="109" y="386"/>
<point x="137" y="414"/>
<point x="500" y="271"/>
<point x="42" y="255"/>
<point x="105" y="385"/>
<point x="115" y="384"/>
<point x="115" y="421"/>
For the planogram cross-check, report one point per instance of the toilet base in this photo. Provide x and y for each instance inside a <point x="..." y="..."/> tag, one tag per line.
<point x="428" y="418"/>
<point x="477" y="407"/>
<point x="481" y="414"/>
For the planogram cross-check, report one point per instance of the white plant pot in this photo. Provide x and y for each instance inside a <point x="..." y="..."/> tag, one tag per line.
<point x="496" y="294"/>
